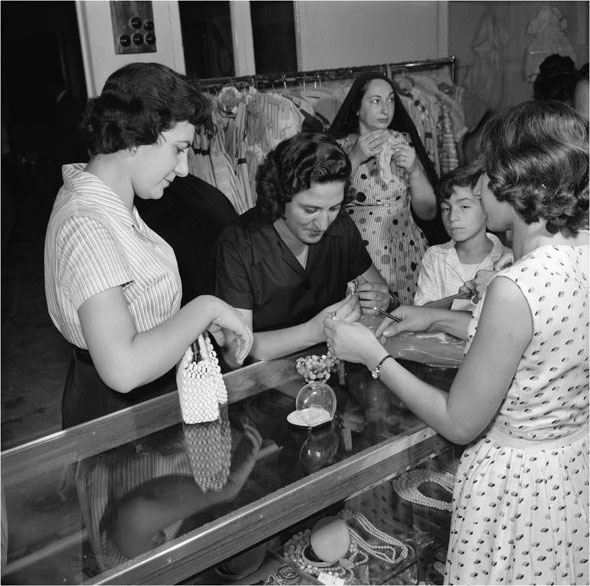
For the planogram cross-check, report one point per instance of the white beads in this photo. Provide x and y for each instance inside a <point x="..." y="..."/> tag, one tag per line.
<point x="387" y="551"/>
<point x="391" y="550"/>
<point x="200" y="384"/>
<point x="407" y="486"/>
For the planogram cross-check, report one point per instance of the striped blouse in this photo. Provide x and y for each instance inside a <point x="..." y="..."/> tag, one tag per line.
<point x="93" y="243"/>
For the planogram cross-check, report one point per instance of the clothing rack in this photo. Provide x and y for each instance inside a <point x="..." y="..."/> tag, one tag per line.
<point x="319" y="75"/>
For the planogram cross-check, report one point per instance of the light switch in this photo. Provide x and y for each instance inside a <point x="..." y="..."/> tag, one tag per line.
<point x="133" y="26"/>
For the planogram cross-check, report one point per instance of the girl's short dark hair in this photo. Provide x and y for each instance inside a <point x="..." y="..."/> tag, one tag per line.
<point x="294" y="166"/>
<point x="464" y="176"/>
<point x="138" y="102"/>
<point x="536" y="157"/>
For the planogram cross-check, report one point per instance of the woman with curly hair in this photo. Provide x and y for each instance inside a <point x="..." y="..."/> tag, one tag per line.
<point x="285" y="263"/>
<point x="520" y="398"/>
<point x="112" y="284"/>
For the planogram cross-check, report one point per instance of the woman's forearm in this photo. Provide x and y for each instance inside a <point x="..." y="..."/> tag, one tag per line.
<point x="277" y="343"/>
<point x="451" y="321"/>
<point x="422" y="194"/>
<point x="126" y="359"/>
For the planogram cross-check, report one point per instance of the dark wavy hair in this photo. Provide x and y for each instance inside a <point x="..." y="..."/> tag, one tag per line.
<point x="295" y="165"/>
<point x="137" y="103"/>
<point x="536" y="157"/>
<point x="464" y="176"/>
<point x="346" y="120"/>
<point x="556" y="80"/>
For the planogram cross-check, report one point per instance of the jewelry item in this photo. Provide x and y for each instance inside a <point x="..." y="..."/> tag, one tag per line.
<point x="407" y="486"/>
<point x="298" y="549"/>
<point x="316" y="368"/>
<point x="334" y="316"/>
<point x="387" y="551"/>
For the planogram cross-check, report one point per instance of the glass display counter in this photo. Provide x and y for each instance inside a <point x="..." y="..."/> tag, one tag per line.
<point x="141" y="497"/>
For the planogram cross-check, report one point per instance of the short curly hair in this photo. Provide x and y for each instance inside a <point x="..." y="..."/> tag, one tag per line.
<point x="295" y="165"/>
<point x="137" y="103"/>
<point x="464" y="176"/>
<point x="536" y="157"/>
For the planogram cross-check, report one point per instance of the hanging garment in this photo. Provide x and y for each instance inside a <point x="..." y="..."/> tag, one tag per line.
<point x="486" y="76"/>
<point x="549" y="28"/>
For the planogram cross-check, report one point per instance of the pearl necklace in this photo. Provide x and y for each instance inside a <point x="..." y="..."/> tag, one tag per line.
<point x="407" y="486"/>
<point x="387" y="551"/>
<point x="298" y="550"/>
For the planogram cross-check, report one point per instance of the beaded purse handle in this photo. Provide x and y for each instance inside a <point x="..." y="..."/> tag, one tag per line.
<point x="200" y="383"/>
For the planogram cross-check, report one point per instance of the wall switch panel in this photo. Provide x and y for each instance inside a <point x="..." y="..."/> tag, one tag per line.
<point x="133" y="26"/>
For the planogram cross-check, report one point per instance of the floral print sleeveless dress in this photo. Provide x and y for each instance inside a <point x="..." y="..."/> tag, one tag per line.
<point x="520" y="513"/>
<point x="381" y="212"/>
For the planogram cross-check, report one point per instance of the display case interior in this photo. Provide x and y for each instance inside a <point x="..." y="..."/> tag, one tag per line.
<point x="142" y="497"/>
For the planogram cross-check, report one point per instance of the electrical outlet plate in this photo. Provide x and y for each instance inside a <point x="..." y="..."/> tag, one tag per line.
<point x="133" y="26"/>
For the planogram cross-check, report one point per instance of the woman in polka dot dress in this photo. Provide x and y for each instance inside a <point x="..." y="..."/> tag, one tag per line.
<point x="520" y="398"/>
<point x="390" y="178"/>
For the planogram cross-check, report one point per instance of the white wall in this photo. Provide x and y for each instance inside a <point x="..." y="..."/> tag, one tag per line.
<point x="98" y="49"/>
<point x="329" y="34"/>
<point x="342" y="34"/>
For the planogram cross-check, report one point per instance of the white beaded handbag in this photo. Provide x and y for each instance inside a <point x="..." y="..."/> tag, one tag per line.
<point x="200" y="383"/>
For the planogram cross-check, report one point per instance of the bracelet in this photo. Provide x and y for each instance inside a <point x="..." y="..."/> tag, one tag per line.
<point x="376" y="372"/>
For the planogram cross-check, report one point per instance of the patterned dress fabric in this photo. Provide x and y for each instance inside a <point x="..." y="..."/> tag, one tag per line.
<point x="520" y="512"/>
<point x="381" y="212"/>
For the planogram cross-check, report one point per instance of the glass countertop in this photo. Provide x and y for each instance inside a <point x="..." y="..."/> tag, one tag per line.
<point x="172" y="488"/>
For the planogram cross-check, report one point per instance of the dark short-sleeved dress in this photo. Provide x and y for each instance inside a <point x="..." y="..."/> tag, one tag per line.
<point x="520" y="513"/>
<point x="257" y="271"/>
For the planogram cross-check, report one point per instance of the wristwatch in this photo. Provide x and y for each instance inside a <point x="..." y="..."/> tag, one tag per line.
<point x="376" y="372"/>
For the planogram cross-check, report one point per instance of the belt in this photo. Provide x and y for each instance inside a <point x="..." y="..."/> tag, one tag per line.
<point x="509" y="441"/>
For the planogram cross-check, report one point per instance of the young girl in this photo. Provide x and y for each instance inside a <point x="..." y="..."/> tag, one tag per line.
<point x="520" y="398"/>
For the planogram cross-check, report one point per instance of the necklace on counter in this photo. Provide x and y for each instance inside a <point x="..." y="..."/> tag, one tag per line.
<point x="386" y="551"/>
<point x="408" y="487"/>
<point x="298" y="549"/>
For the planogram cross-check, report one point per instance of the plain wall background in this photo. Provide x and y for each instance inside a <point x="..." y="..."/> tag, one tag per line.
<point x="350" y="33"/>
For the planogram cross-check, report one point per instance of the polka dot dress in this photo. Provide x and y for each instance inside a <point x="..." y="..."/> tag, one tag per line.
<point x="521" y="493"/>
<point x="381" y="212"/>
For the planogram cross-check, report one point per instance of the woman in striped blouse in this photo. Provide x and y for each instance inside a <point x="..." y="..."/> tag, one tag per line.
<point x="112" y="284"/>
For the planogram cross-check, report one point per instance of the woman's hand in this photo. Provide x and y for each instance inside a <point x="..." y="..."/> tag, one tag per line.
<point x="230" y="327"/>
<point x="413" y="319"/>
<point x="405" y="156"/>
<point x="372" y="295"/>
<point x="368" y="145"/>
<point x="477" y="286"/>
<point x="352" y="342"/>
<point x="348" y="310"/>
